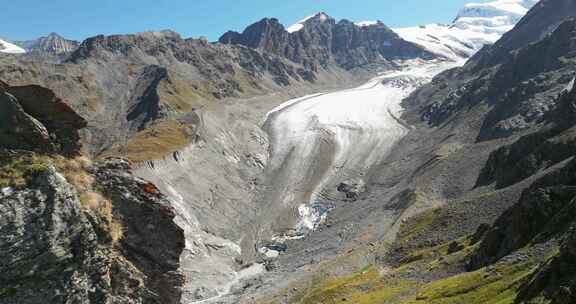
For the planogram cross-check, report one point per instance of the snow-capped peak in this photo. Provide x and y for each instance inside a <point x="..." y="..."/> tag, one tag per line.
<point x="10" y="48"/>
<point x="511" y="8"/>
<point x="476" y="25"/>
<point x="300" y="24"/>
<point x="495" y="17"/>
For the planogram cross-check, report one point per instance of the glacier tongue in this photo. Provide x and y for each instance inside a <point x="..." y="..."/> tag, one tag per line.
<point x="476" y="25"/>
<point x="323" y="140"/>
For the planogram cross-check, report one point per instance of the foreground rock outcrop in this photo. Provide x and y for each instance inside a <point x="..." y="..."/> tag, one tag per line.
<point x="33" y="118"/>
<point x="58" y="248"/>
<point x="72" y="232"/>
<point x="50" y="252"/>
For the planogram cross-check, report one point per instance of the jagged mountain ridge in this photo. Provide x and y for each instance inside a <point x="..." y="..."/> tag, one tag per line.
<point x="321" y="39"/>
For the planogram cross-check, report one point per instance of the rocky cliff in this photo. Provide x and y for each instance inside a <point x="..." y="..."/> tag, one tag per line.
<point x="70" y="231"/>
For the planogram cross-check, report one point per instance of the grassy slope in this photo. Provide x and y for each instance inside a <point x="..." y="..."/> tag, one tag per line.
<point x="425" y="275"/>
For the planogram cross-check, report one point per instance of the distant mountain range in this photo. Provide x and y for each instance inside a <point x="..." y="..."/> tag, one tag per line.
<point x="52" y="44"/>
<point x="476" y="25"/>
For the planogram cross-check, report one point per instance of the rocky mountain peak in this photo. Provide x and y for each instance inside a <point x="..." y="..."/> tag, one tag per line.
<point x="320" y="17"/>
<point x="316" y="40"/>
<point x="52" y="44"/>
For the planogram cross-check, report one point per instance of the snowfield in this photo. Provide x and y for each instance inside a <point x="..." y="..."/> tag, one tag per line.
<point x="337" y="137"/>
<point x="10" y="48"/>
<point x="476" y="24"/>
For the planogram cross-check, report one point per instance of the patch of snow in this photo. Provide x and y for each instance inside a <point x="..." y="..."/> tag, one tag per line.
<point x="570" y="85"/>
<point x="10" y="48"/>
<point x="323" y="17"/>
<point x="295" y="28"/>
<point x="300" y="24"/>
<point x="366" y="23"/>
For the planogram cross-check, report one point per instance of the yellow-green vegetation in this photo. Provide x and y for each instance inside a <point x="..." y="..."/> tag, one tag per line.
<point x="16" y="171"/>
<point x="181" y="96"/>
<point x="364" y="287"/>
<point x="155" y="142"/>
<point x="76" y="173"/>
<point x="496" y="284"/>
<point x="493" y="285"/>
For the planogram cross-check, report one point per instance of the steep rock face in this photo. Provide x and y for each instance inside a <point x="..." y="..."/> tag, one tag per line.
<point x="538" y="151"/>
<point x="56" y="115"/>
<point x="146" y="106"/>
<point x="55" y="249"/>
<point x="49" y="251"/>
<point x="50" y="45"/>
<point x="34" y="118"/>
<point x="554" y="282"/>
<point x="152" y="241"/>
<point x="502" y="128"/>
<point x="267" y="34"/>
<point x="518" y="90"/>
<point x="545" y="210"/>
<point x="320" y="40"/>
<point x="29" y="134"/>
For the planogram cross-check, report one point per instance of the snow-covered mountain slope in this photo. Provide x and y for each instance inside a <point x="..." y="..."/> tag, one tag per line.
<point x="7" y="47"/>
<point x="476" y="24"/>
<point x="300" y="24"/>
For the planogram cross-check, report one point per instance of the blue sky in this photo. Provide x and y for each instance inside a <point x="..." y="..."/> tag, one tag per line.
<point x="79" y="19"/>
